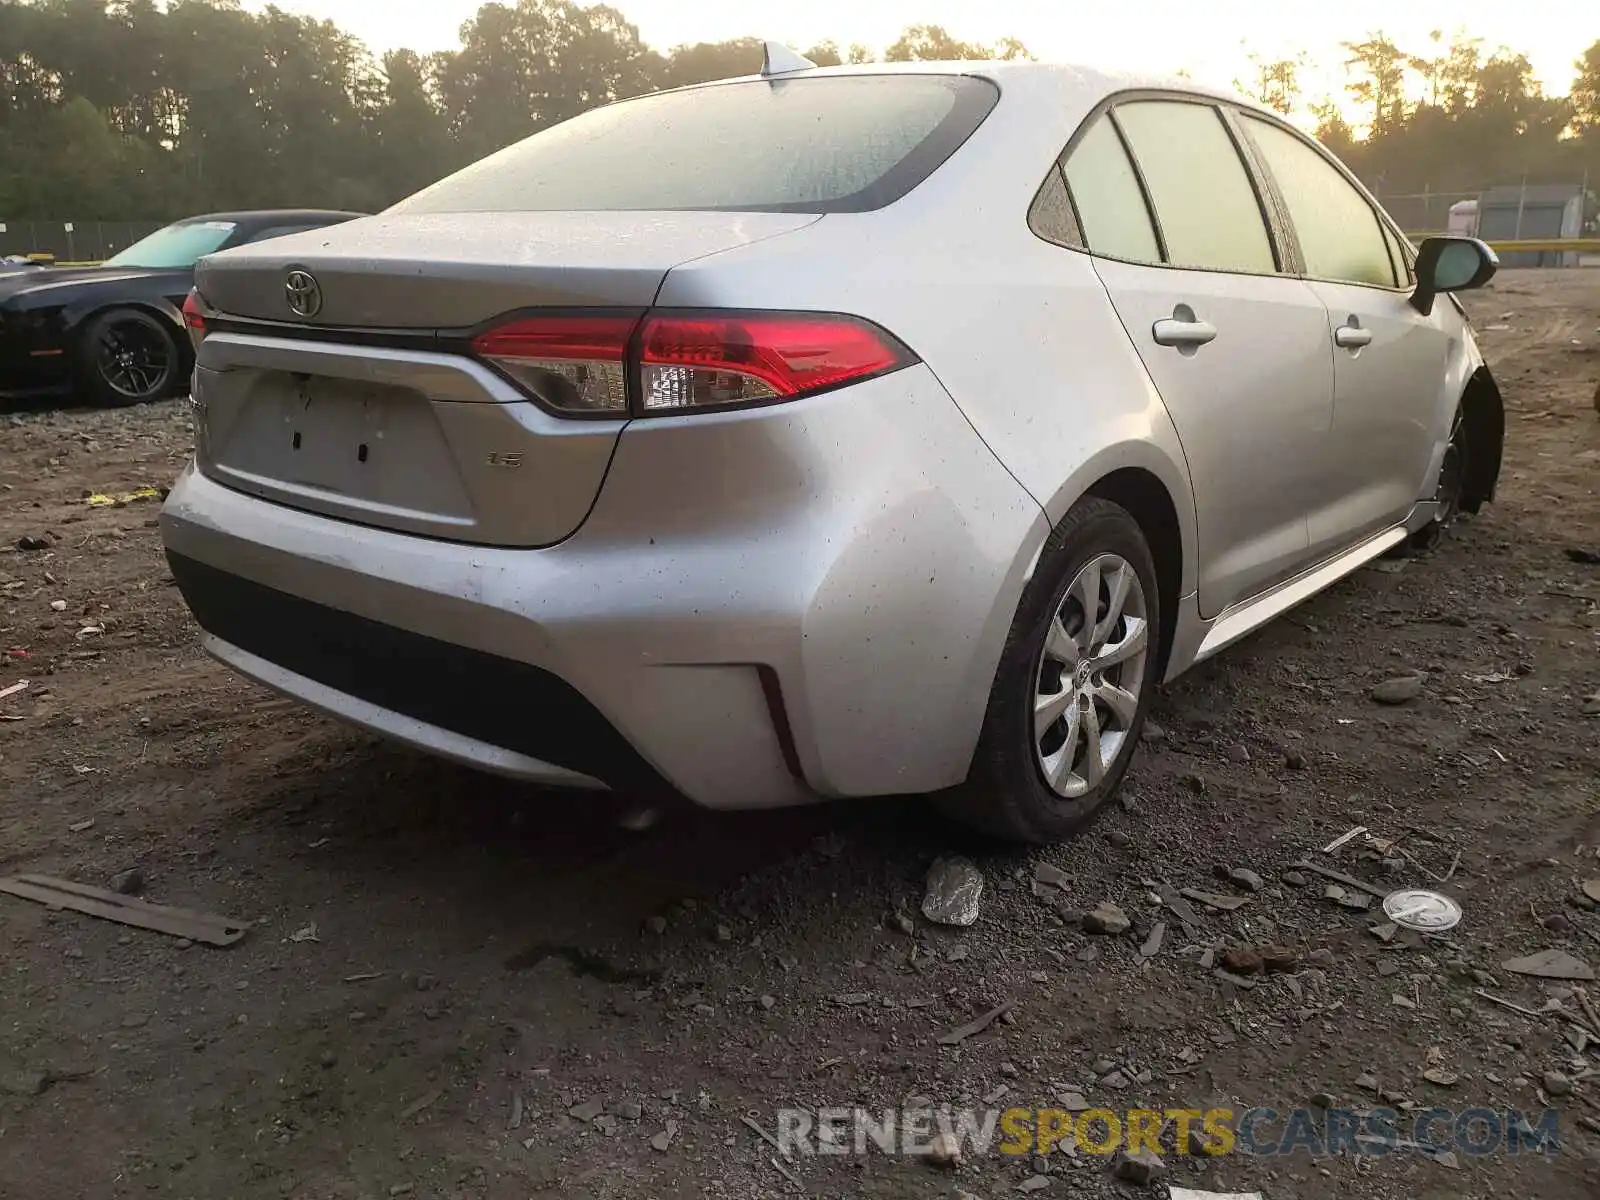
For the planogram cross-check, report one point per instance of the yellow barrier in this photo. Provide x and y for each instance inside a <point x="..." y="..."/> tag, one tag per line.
<point x="1553" y="245"/>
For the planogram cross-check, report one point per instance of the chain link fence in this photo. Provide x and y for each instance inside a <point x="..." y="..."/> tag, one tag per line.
<point x="1515" y="212"/>
<point x="1424" y="212"/>
<point x="72" y="241"/>
<point x="1428" y="211"/>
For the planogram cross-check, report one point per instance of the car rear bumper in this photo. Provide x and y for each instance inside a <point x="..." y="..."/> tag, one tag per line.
<point x="424" y="735"/>
<point x="764" y="607"/>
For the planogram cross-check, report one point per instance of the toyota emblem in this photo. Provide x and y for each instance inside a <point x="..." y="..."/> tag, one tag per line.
<point x="303" y="293"/>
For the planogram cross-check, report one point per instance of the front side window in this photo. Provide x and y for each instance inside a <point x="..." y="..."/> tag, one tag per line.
<point x="1105" y="191"/>
<point x="1203" y="198"/>
<point x="1340" y="235"/>
<point x="176" y="246"/>
<point x="1401" y="256"/>
<point x="843" y="143"/>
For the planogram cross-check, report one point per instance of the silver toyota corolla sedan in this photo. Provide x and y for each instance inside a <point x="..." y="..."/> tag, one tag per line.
<point x="831" y="432"/>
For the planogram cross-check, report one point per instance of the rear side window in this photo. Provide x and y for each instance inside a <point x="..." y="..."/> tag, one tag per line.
<point x="1105" y="191"/>
<point x="1204" y="200"/>
<point x="1340" y="235"/>
<point x="846" y="143"/>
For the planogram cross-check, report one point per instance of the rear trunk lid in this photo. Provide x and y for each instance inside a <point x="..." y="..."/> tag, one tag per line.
<point x="364" y="409"/>
<point x="457" y="270"/>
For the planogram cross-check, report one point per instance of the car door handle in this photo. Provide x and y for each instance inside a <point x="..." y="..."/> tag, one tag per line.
<point x="1183" y="332"/>
<point x="1352" y="337"/>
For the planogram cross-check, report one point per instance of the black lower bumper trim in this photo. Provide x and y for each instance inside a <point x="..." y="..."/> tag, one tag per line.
<point x="496" y="700"/>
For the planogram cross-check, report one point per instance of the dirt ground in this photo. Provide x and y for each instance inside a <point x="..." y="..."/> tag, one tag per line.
<point x="454" y="987"/>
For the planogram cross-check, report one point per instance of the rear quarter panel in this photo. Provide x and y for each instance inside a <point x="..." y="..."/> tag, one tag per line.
<point x="1020" y="333"/>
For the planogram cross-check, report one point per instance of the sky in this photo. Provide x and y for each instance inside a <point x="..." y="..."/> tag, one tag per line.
<point x="1209" y="41"/>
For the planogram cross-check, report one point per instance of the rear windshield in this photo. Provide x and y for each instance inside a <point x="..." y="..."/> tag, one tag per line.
<point x="844" y="143"/>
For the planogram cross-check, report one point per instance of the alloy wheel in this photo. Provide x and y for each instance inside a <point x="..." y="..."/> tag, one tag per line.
<point x="1090" y="676"/>
<point x="134" y="359"/>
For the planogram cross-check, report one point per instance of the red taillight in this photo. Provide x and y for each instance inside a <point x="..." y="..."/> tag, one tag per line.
<point x="575" y="364"/>
<point x="678" y="361"/>
<point x="194" y="317"/>
<point x="711" y="360"/>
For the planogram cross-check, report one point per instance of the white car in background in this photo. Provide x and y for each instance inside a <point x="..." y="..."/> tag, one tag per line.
<point x="834" y="432"/>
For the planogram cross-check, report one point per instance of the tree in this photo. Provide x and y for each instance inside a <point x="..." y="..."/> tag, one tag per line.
<point x="315" y="99"/>
<point x="1333" y="131"/>
<point x="1511" y="118"/>
<point x="82" y="167"/>
<point x="1484" y="121"/>
<point x="1459" y="77"/>
<point x="524" y="68"/>
<point x="1586" y="93"/>
<point x="705" y="61"/>
<point x="1431" y="69"/>
<point x="825" y="54"/>
<point x="1381" y="86"/>
<point x="930" y="43"/>
<point x="1276" y="84"/>
<point x="413" y="142"/>
<point x="113" y="109"/>
<point x="27" y="86"/>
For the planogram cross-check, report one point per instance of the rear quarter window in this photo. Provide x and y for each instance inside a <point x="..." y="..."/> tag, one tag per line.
<point x="845" y="143"/>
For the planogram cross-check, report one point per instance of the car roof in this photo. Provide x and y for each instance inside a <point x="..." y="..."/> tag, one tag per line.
<point x="1088" y="85"/>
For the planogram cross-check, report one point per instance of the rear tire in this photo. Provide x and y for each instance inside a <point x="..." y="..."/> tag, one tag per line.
<point x="1072" y="690"/>
<point x="128" y="356"/>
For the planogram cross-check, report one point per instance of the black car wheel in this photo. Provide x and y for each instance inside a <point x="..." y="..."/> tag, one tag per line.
<point x="127" y="356"/>
<point x="1447" y="495"/>
<point x="1453" y="472"/>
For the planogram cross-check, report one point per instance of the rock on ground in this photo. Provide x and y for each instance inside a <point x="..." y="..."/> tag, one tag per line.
<point x="954" y="892"/>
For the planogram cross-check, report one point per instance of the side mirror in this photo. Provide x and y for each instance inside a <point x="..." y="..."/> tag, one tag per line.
<point x="1451" y="264"/>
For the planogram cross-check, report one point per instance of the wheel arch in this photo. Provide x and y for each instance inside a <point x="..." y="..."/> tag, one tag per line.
<point x="1483" y="410"/>
<point x="78" y="317"/>
<point x="76" y="322"/>
<point x="1148" y="475"/>
<point x="1147" y="499"/>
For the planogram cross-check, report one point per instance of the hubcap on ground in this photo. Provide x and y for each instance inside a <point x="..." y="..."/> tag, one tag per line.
<point x="1090" y="676"/>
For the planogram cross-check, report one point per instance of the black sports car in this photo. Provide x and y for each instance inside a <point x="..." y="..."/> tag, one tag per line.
<point x="116" y="331"/>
